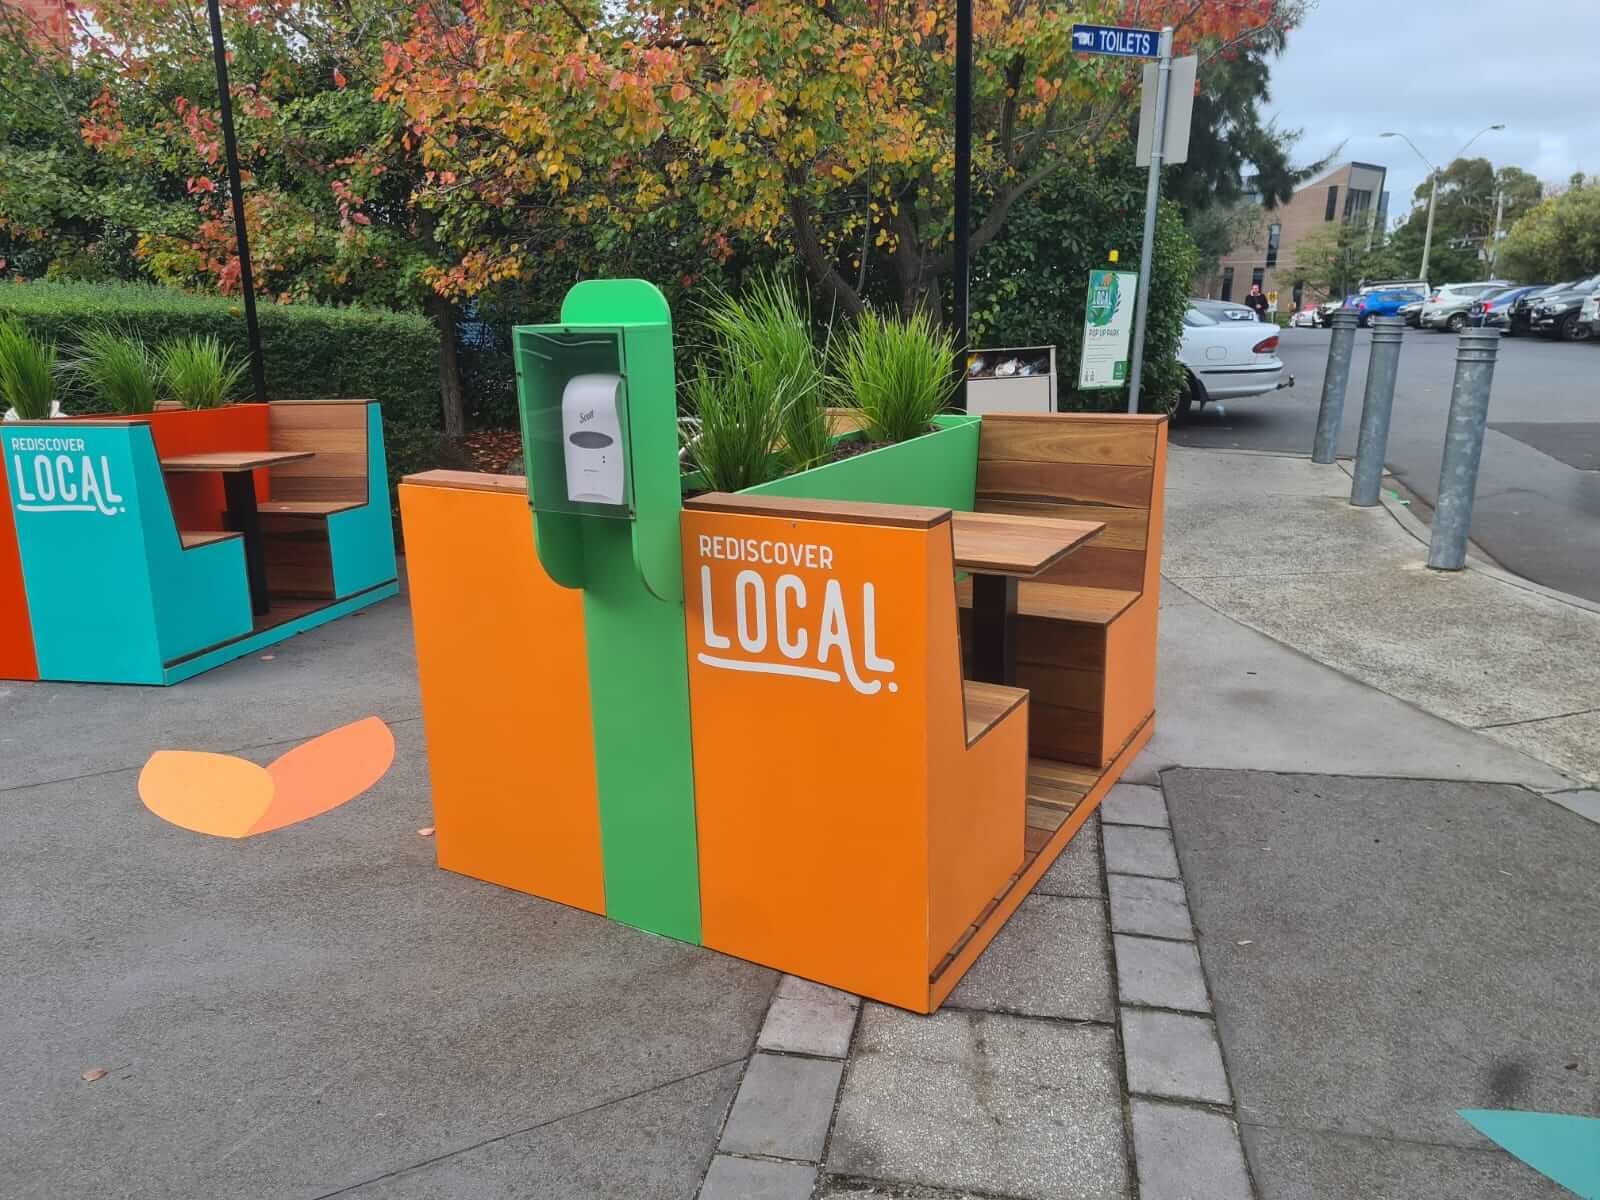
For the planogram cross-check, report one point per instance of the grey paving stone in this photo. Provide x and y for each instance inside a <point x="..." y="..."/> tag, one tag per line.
<point x="1160" y="974"/>
<point x="1077" y="871"/>
<point x="1187" y="1154"/>
<point x="783" y="1107"/>
<point x="1131" y="850"/>
<point x="1156" y="907"/>
<point x="1134" y="804"/>
<point x="860" y="1189"/>
<point x="998" y="1104"/>
<point x="1174" y="1054"/>
<point x="1051" y="959"/>
<point x="792" y="987"/>
<point x="757" y="1179"/>
<point x="808" y="1026"/>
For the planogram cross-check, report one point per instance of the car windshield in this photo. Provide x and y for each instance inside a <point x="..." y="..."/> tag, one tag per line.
<point x="1194" y="317"/>
<point x="1588" y="285"/>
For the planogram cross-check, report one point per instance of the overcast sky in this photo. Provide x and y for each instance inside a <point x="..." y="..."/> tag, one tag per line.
<point x="1439" y="72"/>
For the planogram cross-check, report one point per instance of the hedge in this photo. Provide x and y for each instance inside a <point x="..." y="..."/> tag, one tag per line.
<point x="309" y="351"/>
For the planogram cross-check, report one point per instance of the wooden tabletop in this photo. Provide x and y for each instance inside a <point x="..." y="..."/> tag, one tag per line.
<point x="1002" y="544"/>
<point x="234" y="460"/>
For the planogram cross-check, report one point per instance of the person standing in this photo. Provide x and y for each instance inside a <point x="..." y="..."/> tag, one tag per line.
<point x="1257" y="302"/>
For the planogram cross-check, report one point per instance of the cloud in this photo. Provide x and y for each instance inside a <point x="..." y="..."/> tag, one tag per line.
<point x="1439" y="73"/>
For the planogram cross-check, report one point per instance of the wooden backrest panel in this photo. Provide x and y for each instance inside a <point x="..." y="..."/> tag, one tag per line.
<point x="336" y="432"/>
<point x="1081" y="467"/>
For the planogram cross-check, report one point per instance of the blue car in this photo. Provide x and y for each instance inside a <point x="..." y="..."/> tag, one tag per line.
<point x="1385" y="302"/>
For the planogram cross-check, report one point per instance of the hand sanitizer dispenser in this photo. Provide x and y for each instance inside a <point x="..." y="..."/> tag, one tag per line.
<point x="591" y="436"/>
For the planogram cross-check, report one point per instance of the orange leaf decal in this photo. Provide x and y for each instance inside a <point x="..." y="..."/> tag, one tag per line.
<point x="326" y="772"/>
<point x="217" y="794"/>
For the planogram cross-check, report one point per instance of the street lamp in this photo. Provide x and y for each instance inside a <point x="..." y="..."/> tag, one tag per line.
<point x="1433" y="191"/>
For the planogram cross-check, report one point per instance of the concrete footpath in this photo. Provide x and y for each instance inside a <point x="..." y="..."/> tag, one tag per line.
<point x="1348" y="888"/>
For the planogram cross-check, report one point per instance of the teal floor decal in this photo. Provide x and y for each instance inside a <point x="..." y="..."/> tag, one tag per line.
<point x="1565" y="1148"/>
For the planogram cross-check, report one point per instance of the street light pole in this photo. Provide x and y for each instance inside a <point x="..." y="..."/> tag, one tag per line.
<point x="963" y="183"/>
<point x="1433" y="192"/>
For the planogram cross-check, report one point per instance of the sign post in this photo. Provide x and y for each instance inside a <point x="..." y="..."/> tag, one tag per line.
<point x="1158" y="137"/>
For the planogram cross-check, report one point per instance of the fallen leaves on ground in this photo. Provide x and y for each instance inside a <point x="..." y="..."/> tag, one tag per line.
<point x="94" y="1073"/>
<point x="497" y="451"/>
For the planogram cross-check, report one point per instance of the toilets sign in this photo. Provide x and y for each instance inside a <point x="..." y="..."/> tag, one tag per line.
<point x="1116" y="40"/>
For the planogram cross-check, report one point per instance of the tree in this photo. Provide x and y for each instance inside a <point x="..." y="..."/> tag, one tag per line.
<point x="328" y="170"/>
<point x="821" y="126"/>
<point x="1464" y="216"/>
<point x="1218" y="228"/>
<point x="1558" y="239"/>
<point x="1333" y="259"/>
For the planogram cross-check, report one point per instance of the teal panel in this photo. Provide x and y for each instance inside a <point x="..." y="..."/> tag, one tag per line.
<point x="938" y="469"/>
<point x="1564" y="1148"/>
<point x="268" y="637"/>
<point x="202" y="595"/>
<point x="74" y="494"/>
<point x="361" y="540"/>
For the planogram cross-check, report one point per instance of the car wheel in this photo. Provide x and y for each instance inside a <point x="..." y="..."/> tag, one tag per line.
<point x="1570" y="331"/>
<point x="1456" y="323"/>
<point x="1191" y="395"/>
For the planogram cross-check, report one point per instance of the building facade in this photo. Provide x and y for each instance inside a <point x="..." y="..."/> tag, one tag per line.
<point x="1351" y="192"/>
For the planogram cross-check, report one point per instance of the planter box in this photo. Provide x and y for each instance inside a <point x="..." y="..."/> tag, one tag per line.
<point x="939" y="469"/>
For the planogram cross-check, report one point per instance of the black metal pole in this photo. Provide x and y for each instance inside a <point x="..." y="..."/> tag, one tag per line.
<point x="963" y="265"/>
<point x="230" y="146"/>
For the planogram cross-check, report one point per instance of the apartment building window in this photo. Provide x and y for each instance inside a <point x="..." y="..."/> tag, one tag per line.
<point x="1333" y="203"/>
<point x="1356" y="202"/>
<point x="1274" y="233"/>
<point x="1258" y="275"/>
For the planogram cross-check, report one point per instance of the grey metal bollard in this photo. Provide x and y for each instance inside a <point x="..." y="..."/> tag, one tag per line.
<point x="1463" y="447"/>
<point x="1373" y="441"/>
<point x="1341" y="348"/>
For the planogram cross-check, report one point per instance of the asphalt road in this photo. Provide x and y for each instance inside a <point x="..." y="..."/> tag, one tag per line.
<point x="1538" y="502"/>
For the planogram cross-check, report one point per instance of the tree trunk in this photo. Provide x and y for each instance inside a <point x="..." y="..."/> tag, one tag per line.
<point x="451" y="394"/>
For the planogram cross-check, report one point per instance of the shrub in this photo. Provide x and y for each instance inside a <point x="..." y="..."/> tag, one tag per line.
<point x="27" y="372"/>
<point x="765" y="331"/>
<point x="737" y="424"/>
<point x="898" y="372"/>
<point x="118" y="369"/>
<point x="1029" y="285"/>
<point x="200" y="372"/>
<point x="309" y="351"/>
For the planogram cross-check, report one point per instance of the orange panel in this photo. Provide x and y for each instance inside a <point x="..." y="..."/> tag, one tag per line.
<point x="977" y="797"/>
<point x="17" y="660"/>
<point x="847" y="833"/>
<point x="505" y="697"/>
<point x="811" y="789"/>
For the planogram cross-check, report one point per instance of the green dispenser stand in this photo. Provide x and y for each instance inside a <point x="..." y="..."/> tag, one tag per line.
<point x="617" y="539"/>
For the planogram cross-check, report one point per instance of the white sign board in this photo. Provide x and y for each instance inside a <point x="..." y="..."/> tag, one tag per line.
<point x="1180" y="110"/>
<point x="1107" y="330"/>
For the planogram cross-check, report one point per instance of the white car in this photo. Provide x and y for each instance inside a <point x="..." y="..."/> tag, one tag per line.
<point x="1227" y="360"/>
<point x="1589" y="316"/>
<point x="1447" y="308"/>
<point x="1306" y="318"/>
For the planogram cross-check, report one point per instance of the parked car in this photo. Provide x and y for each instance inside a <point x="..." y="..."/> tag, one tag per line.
<point x="1411" y="313"/>
<point x="1327" y="308"/>
<point x="1225" y="310"/>
<point x="1520" y="319"/>
<point x="1556" y="313"/>
<point x="1227" y="360"/>
<point x="1492" y="310"/>
<point x="1381" y="303"/>
<point x="1589" y="315"/>
<point x="1306" y="318"/>
<point x="1447" y="307"/>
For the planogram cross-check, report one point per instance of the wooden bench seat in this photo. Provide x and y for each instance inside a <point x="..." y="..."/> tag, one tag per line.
<point x="308" y="508"/>
<point x="1086" y="627"/>
<point x="1063" y="602"/>
<point x="987" y="705"/>
<point x="190" y="538"/>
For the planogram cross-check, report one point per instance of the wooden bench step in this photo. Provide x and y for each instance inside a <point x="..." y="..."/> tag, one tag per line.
<point x="308" y="508"/>
<point x="986" y="704"/>
<point x="1062" y="602"/>
<point x="190" y="538"/>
